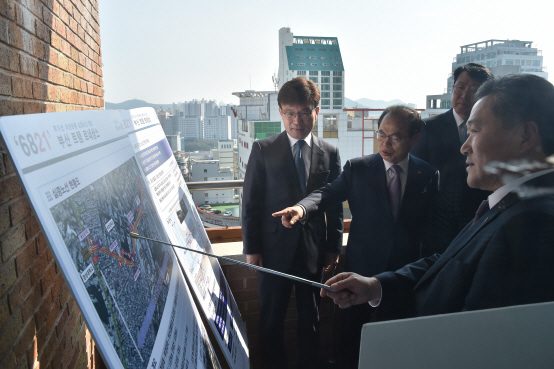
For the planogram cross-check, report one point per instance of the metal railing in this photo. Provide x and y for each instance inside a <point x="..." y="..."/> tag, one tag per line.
<point x="215" y="185"/>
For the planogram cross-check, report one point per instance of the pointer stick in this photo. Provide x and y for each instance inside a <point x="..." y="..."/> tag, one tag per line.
<point x="298" y="279"/>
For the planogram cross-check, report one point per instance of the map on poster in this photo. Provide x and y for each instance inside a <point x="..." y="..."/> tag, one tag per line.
<point x="184" y="227"/>
<point x="89" y="190"/>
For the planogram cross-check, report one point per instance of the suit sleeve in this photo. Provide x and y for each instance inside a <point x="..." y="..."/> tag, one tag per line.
<point x="517" y="266"/>
<point x="252" y="201"/>
<point x="334" y="213"/>
<point x="331" y="194"/>
<point x="397" y="287"/>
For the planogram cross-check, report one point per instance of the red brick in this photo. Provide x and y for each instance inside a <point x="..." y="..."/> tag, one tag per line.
<point x="22" y="87"/>
<point x="9" y="187"/>
<point x="26" y="258"/>
<point x="38" y="269"/>
<point x="10" y="332"/>
<point x="39" y="49"/>
<point x="47" y="16"/>
<point x="9" y="59"/>
<point x="31" y="302"/>
<point x="63" y="62"/>
<point x="43" y="32"/>
<point x="5" y="84"/>
<point x="65" y="95"/>
<point x="7" y="9"/>
<point x="4" y="220"/>
<point x="56" y="41"/>
<point x="25" y="340"/>
<point x="28" y="41"/>
<point x="30" y="107"/>
<point x="48" y="279"/>
<point x="3" y="30"/>
<point x="12" y="240"/>
<point x="19" y="210"/>
<point x="4" y="310"/>
<point x="9" y="107"/>
<point x="25" y="18"/>
<point x="64" y="16"/>
<point x="53" y="93"/>
<point x="39" y="91"/>
<point x="31" y="228"/>
<point x="28" y="65"/>
<point x="20" y="290"/>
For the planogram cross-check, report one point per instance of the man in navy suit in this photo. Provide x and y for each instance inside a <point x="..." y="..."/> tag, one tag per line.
<point x="283" y="169"/>
<point x="505" y="256"/>
<point x="385" y="232"/>
<point x="442" y="136"/>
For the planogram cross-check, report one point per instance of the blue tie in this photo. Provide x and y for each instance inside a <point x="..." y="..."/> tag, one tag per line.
<point x="300" y="166"/>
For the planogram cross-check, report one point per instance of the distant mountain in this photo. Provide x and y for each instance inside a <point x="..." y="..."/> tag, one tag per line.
<point x="133" y="104"/>
<point x="371" y="104"/>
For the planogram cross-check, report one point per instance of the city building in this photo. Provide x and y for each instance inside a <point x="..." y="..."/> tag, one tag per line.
<point x="502" y="57"/>
<point x="174" y="141"/>
<point x="208" y="170"/>
<point x="217" y="127"/>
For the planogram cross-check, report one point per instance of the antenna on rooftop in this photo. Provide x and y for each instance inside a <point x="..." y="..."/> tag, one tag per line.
<point x="275" y="81"/>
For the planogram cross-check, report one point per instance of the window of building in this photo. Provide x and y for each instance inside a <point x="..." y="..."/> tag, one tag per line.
<point x="206" y="195"/>
<point x="299" y="49"/>
<point x="310" y="49"/>
<point x="312" y="57"/>
<point x="528" y="63"/>
<point x="325" y="94"/>
<point x="205" y="178"/>
<point x="325" y="87"/>
<point x="518" y="62"/>
<point x="313" y="73"/>
<point x="313" y="64"/>
<point x="300" y="72"/>
<point x="205" y="171"/>
<point x="337" y="87"/>
<point x="336" y="57"/>
<point x="322" y="49"/>
<point x="330" y="126"/>
<point x="325" y="102"/>
<point x="325" y="79"/>
<point x="299" y="57"/>
<point x="301" y="64"/>
<point x="337" y="73"/>
<point x="509" y="61"/>
<point x="325" y="73"/>
<point x="536" y="63"/>
<point x="337" y="64"/>
<point x="314" y="79"/>
<point x="337" y="79"/>
<point x="337" y="102"/>
<point x="337" y="94"/>
<point x="323" y="57"/>
<point x="325" y="64"/>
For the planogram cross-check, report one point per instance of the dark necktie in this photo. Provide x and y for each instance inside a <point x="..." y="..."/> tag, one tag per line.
<point x="483" y="208"/>
<point x="395" y="190"/>
<point x="300" y="166"/>
<point x="463" y="137"/>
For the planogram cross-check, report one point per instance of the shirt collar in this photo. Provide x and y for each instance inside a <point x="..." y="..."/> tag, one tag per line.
<point x="293" y="140"/>
<point x="459" y="120"/>
<point x="496" y="196"/>
<point x="403" y="164"/>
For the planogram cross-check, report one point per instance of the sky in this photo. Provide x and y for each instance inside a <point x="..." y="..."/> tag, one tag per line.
<point x="169" y="51"/>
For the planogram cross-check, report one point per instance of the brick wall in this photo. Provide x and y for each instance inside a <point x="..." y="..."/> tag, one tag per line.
<point x="50" y="61"/>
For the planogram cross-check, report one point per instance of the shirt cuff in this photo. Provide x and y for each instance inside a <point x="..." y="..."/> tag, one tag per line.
<point x="376" y="303"/>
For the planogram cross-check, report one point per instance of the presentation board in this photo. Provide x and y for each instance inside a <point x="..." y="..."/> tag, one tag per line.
<point x="92" y="178"/>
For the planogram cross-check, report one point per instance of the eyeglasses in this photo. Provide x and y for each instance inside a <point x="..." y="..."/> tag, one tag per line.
<point x="394" y="138"/>
<point x="459" y="90"/>
<point x="301" y="115"/>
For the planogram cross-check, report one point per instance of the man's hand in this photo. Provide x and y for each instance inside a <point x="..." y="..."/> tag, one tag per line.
<point x="255" y="259"/>
<point x="353" y="289"/>
<point x="331" y="261"/>
<point x="291" y="215"/>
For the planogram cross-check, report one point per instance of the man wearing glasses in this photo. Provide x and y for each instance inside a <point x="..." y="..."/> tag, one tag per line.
<point x="388" y="194"/>
<point x="441" y="138"/>
<point x="281" y="171"/>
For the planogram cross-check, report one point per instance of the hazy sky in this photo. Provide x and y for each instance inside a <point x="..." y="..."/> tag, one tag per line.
<point x="177" y="50"/>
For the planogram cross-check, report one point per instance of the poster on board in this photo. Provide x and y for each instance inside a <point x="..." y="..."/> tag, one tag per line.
<point x="88" y="191"/>
<point x="183" y="227"/>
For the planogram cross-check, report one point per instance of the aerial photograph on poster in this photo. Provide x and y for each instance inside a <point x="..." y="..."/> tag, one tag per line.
<point x="127" y="279"/>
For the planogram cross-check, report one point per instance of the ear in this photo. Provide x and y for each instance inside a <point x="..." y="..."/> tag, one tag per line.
<point x="530" y="139"/>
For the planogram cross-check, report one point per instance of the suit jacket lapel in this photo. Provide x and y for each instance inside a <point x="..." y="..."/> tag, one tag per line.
<point x="463" y="238"/>
<point x="376" y="169"/>
<point x="316" y="162"/>
<point x="287" y="161"/>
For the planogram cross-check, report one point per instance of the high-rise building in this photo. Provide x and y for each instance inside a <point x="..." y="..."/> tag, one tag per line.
<point x="502" y="57"/>
<point x="217" y="127"/>
<point x="316" y="58"/>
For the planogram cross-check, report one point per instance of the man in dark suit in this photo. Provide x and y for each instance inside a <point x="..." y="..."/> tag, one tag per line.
<point x="505" y="256"/>
<point x="282" y="170"/>
<point x="385" y="232"/>
<point x="441" y="138"/>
